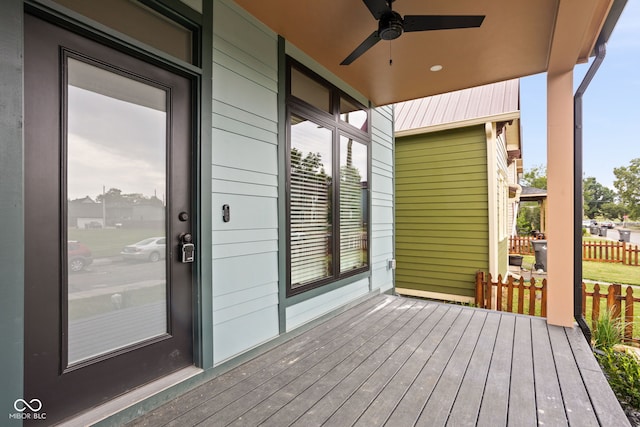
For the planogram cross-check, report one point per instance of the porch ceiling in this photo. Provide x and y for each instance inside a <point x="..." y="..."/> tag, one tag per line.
<point x="516" y="39"/>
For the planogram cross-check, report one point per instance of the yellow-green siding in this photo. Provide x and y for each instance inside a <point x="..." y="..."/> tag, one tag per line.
<point x="442" y="210"/>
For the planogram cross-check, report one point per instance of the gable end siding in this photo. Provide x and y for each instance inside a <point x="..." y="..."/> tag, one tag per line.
<point x="441" y="211"/>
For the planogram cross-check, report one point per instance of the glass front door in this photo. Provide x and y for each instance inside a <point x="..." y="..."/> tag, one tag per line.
<point x="108" y="167"/>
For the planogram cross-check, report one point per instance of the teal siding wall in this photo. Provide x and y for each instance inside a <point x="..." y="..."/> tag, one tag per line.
<point x="382" y="198"/>
<point x="245" y="176"/>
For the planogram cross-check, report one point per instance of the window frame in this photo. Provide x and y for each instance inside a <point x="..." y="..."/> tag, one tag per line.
<point x="297" y="107"/>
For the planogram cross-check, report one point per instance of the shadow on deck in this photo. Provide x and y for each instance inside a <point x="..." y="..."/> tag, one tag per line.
<point x="401" y="362"/>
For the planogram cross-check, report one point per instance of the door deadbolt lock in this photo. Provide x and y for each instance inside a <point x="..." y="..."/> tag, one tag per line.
<point x="187" y="248"/>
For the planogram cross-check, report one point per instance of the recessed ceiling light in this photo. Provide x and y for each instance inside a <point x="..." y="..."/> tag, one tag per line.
<point x="436" y="68"/>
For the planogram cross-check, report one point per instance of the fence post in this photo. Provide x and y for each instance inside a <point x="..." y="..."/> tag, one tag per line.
<point x="499" y="293"/>
<point x="628" y="311"/>
<point x="532" y="297"/>
<point x="584" y="299"/>
<point x="595" y="306"/>
<point x="614" y="300"/>
<point x="510" y="294"/>
<point x="479" y="289"/>
<point x="521" y="296"/>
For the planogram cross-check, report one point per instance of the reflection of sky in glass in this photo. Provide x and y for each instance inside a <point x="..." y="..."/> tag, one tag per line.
<point x="355" y="118"/>
<point x="116" y="144"/>
<point x="358" y="156"/>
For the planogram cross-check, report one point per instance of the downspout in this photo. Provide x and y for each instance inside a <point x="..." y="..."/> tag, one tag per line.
<point x="577" y="189"/>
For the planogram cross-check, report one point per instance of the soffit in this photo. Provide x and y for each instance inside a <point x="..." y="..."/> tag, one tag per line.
<point x="516" y="39"/>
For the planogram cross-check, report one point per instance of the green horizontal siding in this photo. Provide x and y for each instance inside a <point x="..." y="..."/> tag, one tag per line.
<point x="442" y="231"/>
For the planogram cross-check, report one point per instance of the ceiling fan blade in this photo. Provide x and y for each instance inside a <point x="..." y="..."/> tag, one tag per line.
<point x="377" y="7"/>
<point x="367" y="44"/>
<point x="441" y="22"/>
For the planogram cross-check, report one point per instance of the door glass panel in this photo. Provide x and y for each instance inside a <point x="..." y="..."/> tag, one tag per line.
<point x="116" y="211"/>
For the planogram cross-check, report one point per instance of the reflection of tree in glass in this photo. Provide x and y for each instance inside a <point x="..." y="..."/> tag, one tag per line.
<point x="115" y="197"/>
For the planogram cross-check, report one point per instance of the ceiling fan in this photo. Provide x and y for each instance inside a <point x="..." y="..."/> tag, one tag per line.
<point x="391" y="25"/>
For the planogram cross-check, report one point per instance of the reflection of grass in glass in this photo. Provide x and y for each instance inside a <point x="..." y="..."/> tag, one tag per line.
<point x="109" y="242"/>
<point x="103" y="303"/>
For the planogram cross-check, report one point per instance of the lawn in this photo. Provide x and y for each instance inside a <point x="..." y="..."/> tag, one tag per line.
<point x="605" y="273"/>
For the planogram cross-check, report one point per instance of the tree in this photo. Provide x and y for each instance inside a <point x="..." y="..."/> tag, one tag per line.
<point x="628" y="185"/>
<point x="535" y="177"/>
<point x="594" y="196"/>
<point x="613" y="210"/>
<point x="528" y="217"/>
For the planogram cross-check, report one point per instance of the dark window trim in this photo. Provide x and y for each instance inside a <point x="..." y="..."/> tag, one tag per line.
<point x="296" y="106"/>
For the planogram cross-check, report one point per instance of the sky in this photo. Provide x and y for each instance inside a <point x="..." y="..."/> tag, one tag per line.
<point x="611" y="106"/>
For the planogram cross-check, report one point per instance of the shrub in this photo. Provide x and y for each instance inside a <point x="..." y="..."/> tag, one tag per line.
<point x="607" y="331"/>
<point x="623" y="372"/>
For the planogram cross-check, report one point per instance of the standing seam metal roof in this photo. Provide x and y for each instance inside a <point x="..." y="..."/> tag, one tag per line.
<point x="482" y="101"/>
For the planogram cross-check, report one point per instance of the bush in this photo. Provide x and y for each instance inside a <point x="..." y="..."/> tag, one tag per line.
<point x="623" y="372"/>
<point x="607" y="331"/>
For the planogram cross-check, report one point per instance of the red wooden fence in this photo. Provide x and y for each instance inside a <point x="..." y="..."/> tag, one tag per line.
<point x="603" y="251"/>
<point x="512" y="295"/>
<point x="529" y="297"/>
<point x="615" y="301"/>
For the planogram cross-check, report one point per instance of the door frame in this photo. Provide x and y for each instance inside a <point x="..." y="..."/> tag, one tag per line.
<point x="13" y="361"/>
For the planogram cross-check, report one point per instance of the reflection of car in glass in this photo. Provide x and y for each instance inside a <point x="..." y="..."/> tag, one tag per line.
<point x="151" y="249"/>
<point x="79" y="256"/>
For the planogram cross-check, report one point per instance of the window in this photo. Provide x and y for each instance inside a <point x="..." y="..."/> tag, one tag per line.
<point x="328" y="173"/>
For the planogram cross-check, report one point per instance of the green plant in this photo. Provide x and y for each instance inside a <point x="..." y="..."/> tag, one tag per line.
<point x="607" y="331"/>
<point x="623" y="372"/>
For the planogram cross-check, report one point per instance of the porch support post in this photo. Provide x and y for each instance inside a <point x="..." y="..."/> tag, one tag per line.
<point x="560" y="198"/>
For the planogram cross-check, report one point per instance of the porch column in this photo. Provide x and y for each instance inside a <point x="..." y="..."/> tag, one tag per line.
<point x="560" y="198"/>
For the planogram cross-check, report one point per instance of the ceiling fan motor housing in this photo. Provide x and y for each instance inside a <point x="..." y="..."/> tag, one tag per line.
<point x="390" y="26"/>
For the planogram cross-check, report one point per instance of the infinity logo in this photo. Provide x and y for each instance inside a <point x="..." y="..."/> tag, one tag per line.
<point x="21" y="405"/>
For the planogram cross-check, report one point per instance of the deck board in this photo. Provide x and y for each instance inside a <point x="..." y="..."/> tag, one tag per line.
<point x="441" y="400"/>
<point x="397" y="362"/>
<point x="495" y="400"/>
<point x="467" y="404"/>
<point x="548" y="395"/>
<point x="415" y="397"/>
<point x="522" y="397"/>
<point x="576" y="399"/>
<point x="376" y="370"/>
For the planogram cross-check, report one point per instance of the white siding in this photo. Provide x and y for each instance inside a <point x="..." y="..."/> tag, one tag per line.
<point x="382" y="199"/>
<point x="245" y="176"/>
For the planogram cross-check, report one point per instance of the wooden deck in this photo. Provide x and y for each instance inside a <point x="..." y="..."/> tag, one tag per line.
<point x="401" y="362"/>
